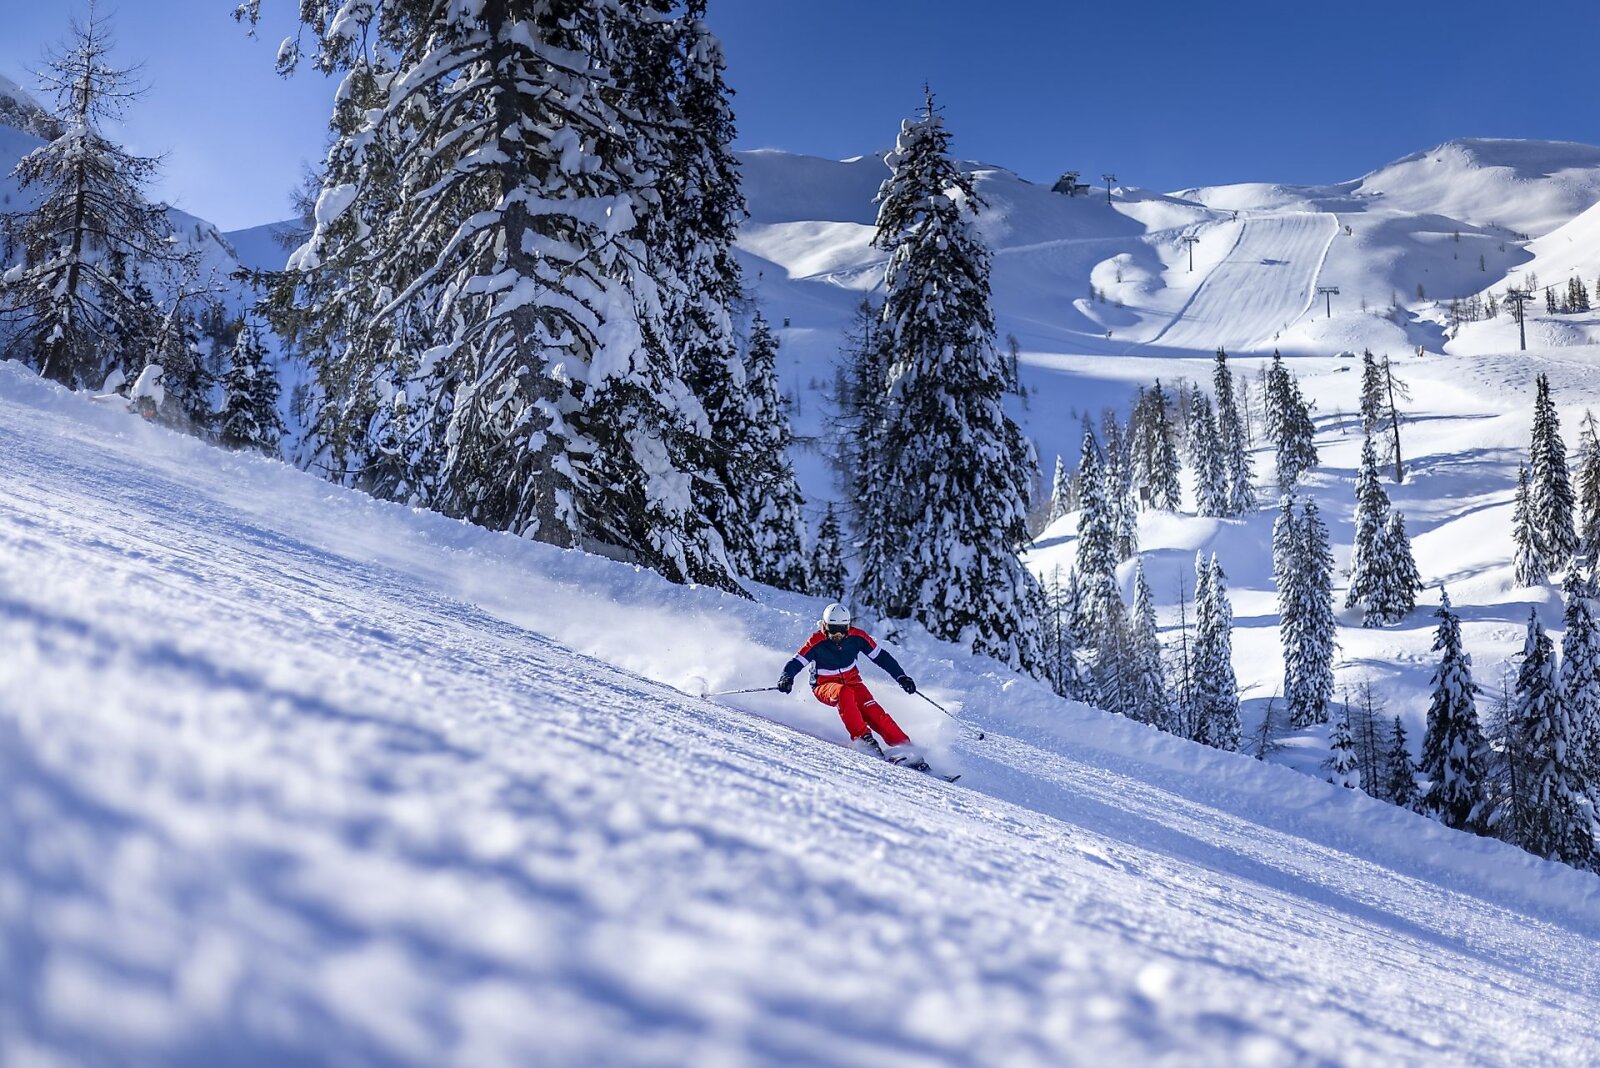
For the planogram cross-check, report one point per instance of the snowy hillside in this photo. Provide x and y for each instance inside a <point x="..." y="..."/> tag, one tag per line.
<point x="299" y="776"/>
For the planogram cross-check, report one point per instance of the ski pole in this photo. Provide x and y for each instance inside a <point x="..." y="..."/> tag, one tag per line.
<point x="946" y="711"/>
<point x="730" y="693"/>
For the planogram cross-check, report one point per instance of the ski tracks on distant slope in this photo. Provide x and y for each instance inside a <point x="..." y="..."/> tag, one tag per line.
<point x="1238" y="303"/>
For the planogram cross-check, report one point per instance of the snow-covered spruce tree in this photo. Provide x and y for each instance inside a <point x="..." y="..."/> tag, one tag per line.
<point x="1111" y="682"/>
<point x="1059" y="636"/>
<point x="1453" y="749"/>
<point x="1120" y="493"/>
<point x="828" y="578"/>
<point x="765" y="488"/>
<point x="1205" y="457"/>
<point x="1371" y="519"/>
<point x="963" y="470"/>
<point x="92" y="244"/>
<point x="1402" y="781"/>
<point x="1237" y="469"/>
<point x="1060" y="491"/>
<point x="1580" y="678"/>
<point x="250" y="387"/>
<point x="1303" y="565"/>
<point x="1289" y="426"/>
<point x="481" y="262"/>
<point x="1373" y="393"/>
<point x="1589" y="493"/>
<point x="1399" y="581"/>
<point x="862" y="407"/>
<point x="1097" y="559"/>
<point x="1216" y="690"/>
<point x="1557" y="811"/>
<point x="1342" y="752"/>
<point x="1550" y="501"/>
<point x="1148" y="699"/>
<point x="1527" y="561"/>
<point x="1158" y="450"/>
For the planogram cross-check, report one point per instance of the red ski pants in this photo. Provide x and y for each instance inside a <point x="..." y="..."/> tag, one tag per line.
<point x="860" y="710"/>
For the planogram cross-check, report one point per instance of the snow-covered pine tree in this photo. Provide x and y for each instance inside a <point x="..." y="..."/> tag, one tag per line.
<point x="1097" y="558"/>
<point x="250" y="417"/>
<point x="1342" y="752"/>
<point x="768" y="495"/>
<point x="1205" y="457"/>
<point x="1060" y="491"/>
<point x="828" y="577"/>
<point x="1580" y="677"/>
<point x="1120" y="494"/>
<point x="1216" y="690"/>
<point x="482" y="261"/>
<point x="1589" y="492"/>
<point x="1550" y="501"/>
<point x="1160" y="451"/>
<point x="1557" y="812"/>
<point x="1059" y="636"/>
<point x="1402" y="779"/>
<point x="1237" y="469"/>
<point x="1289" y="426"/>
<point x="863" y="404"/>
<point x="1373" y="393"/>
<point x="1306" y="615"/>
<point x="964" y="470"/>
<point x="1366" y="553"/>
<point x="91" y="240"/>
<point x="1112" y="678"/>
<point x="1527" y="561"/>
<point x="1453" y="748"/>
<point x="1149" y="701"/>
<point x="1398" y="580"/>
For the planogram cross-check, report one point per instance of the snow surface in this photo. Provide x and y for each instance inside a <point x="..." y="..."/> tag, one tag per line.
<point x="294" y="775"/>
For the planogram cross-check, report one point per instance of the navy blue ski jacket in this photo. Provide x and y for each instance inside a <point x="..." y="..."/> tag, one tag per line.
<point x="833" y="661"/>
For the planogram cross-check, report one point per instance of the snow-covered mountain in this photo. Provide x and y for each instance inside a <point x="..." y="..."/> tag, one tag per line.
<point x="20" y="111"/>
<point x="294" y="776"/>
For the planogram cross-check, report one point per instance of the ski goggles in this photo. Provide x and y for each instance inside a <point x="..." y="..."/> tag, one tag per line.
<point x="836" y="630"/>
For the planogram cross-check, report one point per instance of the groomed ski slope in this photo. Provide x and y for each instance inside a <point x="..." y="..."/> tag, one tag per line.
<point x="293" y="776"/>
<point x="1267" y="282"/>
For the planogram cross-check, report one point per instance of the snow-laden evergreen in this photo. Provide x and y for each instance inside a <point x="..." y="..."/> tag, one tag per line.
<point x="1205" y="458"/>
<point x="249" y="418"/>
<point x="1453" y="749"/>
<point x="1215" y="711"/>
<point x="1373" y="393"/>
<point x="1289" y="426"/>
<point x="1551" y="505"/>
<point x="962" y="470"/>
<point x="1060" y="491"/>
<point x="485" y="297"/>
<point x="1401" y="787"/>
<point x="1096" y="564"/>
<point x="1580" y="678"/>
<point x="1556" y="812"/>
<point x="1149" y="699"/>
<point x="1384" y="580"/>
<point x="829" y="577"/>
<point x="79" y="305"/>
<point x="1303" y="566"/>
<point x="1528" y="563"/>
<point x="765" y="488"/>
<point x="1232" y="448"/>
<point x="1589" y="492"/>
<point x="1157" y="466"/>
<point x="1341" y="752"/>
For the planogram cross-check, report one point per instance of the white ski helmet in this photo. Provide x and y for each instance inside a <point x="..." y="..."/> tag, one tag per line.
<point x="835" y="618"/>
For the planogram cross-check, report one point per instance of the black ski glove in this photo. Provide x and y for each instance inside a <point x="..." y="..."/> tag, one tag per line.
<point x="785" y="683"/>
<point x="906" y="684"/>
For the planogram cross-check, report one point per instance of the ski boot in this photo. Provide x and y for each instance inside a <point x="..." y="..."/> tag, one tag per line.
<point x="868" y="744"/>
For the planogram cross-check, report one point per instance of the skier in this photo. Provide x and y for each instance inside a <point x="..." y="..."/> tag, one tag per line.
<point x="836" y="682"/>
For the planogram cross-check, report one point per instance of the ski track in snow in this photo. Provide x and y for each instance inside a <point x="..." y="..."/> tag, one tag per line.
<point x="1261" y="286"/>
<point x="275" y="792"/>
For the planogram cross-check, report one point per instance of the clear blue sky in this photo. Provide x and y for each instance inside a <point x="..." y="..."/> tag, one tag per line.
<point x="1164" y="94"/>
